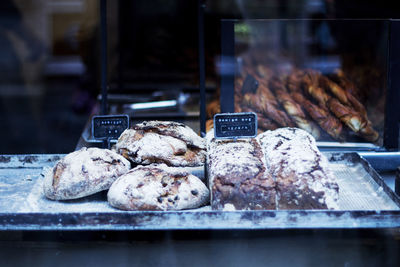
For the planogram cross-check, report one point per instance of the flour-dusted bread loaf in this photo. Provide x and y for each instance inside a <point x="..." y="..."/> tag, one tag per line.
<point x="238" y="178"/>
<point x="172" y="143"/>
<point x="84" y="172"/>
<point x="157" y="187"/>
<point x="301" y="172"/>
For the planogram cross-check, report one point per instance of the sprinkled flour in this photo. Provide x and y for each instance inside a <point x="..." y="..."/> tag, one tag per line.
<point x="84" y="172"/>
<point x="290" y="155"/>
<point x="157" y="187"/>
<point x="162" y="142"/>
<point x="292" y="152"/>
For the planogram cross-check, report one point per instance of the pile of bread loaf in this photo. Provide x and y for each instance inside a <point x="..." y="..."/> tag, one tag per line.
<point x="321" y="105"/>
<point x="148" y="170"/>
<point x="145" y="170"/>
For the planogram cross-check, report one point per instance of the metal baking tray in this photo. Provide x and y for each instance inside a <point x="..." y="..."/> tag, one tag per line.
<point x="365" y="202"/>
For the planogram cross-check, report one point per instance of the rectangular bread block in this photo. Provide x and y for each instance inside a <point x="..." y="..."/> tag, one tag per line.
<point x="238" y="177"/>
<point x="302" y="175"/>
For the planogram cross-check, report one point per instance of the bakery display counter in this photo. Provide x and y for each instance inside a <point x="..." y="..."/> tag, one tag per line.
<point x="366" y="201"/>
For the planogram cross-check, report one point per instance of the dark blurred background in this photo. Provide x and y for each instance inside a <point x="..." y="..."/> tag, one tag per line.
<point x="49" y="56"/>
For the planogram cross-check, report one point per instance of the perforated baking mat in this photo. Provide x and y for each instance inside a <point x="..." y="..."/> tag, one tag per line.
<point x="358" y="187"/>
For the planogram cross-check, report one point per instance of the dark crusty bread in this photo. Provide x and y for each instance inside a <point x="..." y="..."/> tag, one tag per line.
<point x="238" y="179"/>
<point x="84" y="172"/>
<point x="301" y="172"/>
<point x="157" y="187"/>
<point x="172" y="143"/>
<point x="280" y="169"/>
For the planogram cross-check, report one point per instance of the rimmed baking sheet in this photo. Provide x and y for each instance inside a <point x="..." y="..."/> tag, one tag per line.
<point x="358" y="186"/>
<point x="365" y="201"/>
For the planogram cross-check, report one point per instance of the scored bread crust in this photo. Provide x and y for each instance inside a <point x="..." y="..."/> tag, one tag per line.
<point x="174" y="129"/>
<point x="84" y="172"/>
<point x="172" y="143"/>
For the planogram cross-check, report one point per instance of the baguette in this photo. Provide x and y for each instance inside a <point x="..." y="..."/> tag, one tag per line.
<point x="322" y="116"/>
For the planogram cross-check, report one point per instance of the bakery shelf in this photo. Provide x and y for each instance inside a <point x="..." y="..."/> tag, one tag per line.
<point x="23" y="206"/>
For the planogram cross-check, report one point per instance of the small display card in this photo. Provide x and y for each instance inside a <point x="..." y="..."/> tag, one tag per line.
<point x="235" y="125"/>
<point x="109" y="126"/>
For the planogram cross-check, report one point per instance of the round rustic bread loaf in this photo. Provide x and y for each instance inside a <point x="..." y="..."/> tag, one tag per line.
<point x="84" y="172"/>
<point x="172" y="143"/>
<point x="157" y="187"/>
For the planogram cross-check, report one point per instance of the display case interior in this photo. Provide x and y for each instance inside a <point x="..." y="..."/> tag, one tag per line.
<point x="331" y="78"/>
<point x="150" y="69"/>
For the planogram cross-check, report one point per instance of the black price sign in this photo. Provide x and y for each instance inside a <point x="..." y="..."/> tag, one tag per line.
<point x="235" y="125"/>
<point x="109" y="126"/>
